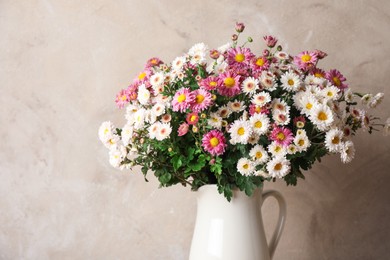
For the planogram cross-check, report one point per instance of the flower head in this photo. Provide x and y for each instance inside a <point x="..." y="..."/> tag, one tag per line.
<point x="337" y="79"/>
<point x="214" y="142"/>
<point x="278" y="167"/>
<point x="182" y="100"/>
<point x="192" y="118"/>
<point x="202" y="100"/>
<point x="282" y="136"/>
<point x="306" y="60"/>
<point x="229" y="84"/>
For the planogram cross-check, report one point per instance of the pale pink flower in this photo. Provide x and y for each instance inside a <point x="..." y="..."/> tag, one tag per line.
<point x="122" y="98"/>
<point x="209" y="83"/>
<point x="270" y="41"/>
<point x="183" y="129"/>
<point x="214" y="142"/>
<point x="202" y="100"/>
<point x="239" y="56"/>
<point x="306" y="60"/>
<point x="182" y="99"/>
<point x="229" y="84"/>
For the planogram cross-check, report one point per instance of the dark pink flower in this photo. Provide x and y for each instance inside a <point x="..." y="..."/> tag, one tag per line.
<point x="282" y="136"/>
<point x="229" y="84"/>
<point x="214" y="142"/>
<point x="152" y="62"/>
<point x="337" y="79"/>
<point x="306" y="60"/>
<point x="192" y="118"/>
<point x="270" y="41"/>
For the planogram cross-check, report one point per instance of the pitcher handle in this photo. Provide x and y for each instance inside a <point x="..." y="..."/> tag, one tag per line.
<point x="282" y="219"/>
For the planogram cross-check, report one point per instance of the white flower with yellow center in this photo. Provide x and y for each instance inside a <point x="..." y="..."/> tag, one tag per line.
<point x="250" y="85"/>
<point x="198" y="53"/>
<point x="322" y="117"/>
<point x="330" y="93"/>
<point x="333" y="140"/>
<point x="278" y="167"/>
<point x="117" y="154"/>
<point x="138" y="120"/>
<point x="127" y="134"/>
<point x="260" y="123"/>
<point x="306" y="103"/>
<point x="290" y="81"/>
<point x="301" y="141"/>
<point x="215" y="121"/>
<point x="347" y="152"/>
<point x="143" y="94"/>
<point x="261" y="99"/>
<point x="106" y="131"/>
<point x="292" y="149"/>
<point x="258" y="154"/>
<point x="240" y="131"/>
<point x="245" y="166"/>
<point x="236" y="106"/>
<point x="131" y="109"/>
<point x="164" y="130"/>
<point x="277" y="149"/>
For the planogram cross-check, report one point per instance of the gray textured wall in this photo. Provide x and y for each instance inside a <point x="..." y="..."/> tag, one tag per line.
<point x="61" y="64"/>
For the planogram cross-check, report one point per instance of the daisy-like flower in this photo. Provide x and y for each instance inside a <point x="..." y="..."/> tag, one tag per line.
<point x="240" y="131"/>
<point x="182" y="100"/>
<point x="348" y="96"/>
<point x="117" y="154"/>
<point x="267" y="81"/>
<point x="166" y="118"/>
<point x="153" y="62"/>
<point x="164" y="130"/>
<point x="290" y="81"/>
<point x="224" y="112"/>
<point x="282" y="136"/>
<point x="215" y="121"/>
<point x="281" y="55"/>
<point x="106" y="131"/>
<point x="178" y="63"/>
<point x="157" y="79"/>
<point x="347" y="152"/>
<point x="277" y="149"/>
<point x="245" y="166"/>
<point x="158" y="109"/>
<point x="376" y="100"/>
<point x="261" y="99"/>
<point x="260" y="123"/>
<point x="322" y="117"/>
<point x="138" y="119"/>
<point x="306" y="60"/>
<point x="239" y="56"/>
<point x="258" y="154"/>
<point x="214" y="142"/>
<point x="337" y="79"/>
<point x="198" y="53"/>
<point x="330" y="93"/>
<point x="209" y="83"/>
<point x="259" y="64"/>
<point x="229" y="84"/>
<point x="143" y="94"/>
<point x="318" y="73"/>
<point x="299" y="121"/>
<point x="253" y="139"/>
<point x="301" y="141"/>
<point x="127" y="134"/>
<point x="122" y="98"/>
<point x="153" y="130"/>
<point x="202" y="100"/>
<point x="281" y="117"/>
<point x="278" y="167"/>
<point x="292" y="149"/>
<point x="250" y="85"/>
<point x="307" y="103"/>
<point x="236" y="106"/>
<point x="192" y="118"/>
<point x="143" y="76"/>
<point x="183" y="129"/>
<point x="333" y="140"/>
<point x="280" y="105"/>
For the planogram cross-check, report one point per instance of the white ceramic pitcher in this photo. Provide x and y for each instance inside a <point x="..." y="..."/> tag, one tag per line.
<point x="233" y="230"/>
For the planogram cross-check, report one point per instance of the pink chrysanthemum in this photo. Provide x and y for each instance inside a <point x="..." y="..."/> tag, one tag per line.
<point x="210" y="83"/>
<point x="214" y="142"/>
<point x="192" y="118"/>
<point x="239" y="56"/>
<point x="122" y="98"/>
<point x="255" y="109"/>
<point x="270" y="41"/>
<point x="259" y="64"/>
<point x="318" y="73"/>
<point x="132" y="90"/>
<point x="337" y="79"/>
<point x="183" y="129"/>
<point x="282" y="136"/>
<point x="152" y="62"/>
<point x="202" y="100"/>
<point x="182" y="99"/>
<point x="229" y="84"/>
<point x="143" y="76"/>
<point x="306" y="60"/>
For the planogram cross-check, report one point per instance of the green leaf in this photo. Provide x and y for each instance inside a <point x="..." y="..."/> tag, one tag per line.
<point x="176" y="162"/>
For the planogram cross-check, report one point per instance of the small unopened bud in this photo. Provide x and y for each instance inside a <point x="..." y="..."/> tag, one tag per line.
<point x="214" y="54"/>
<point x="212" y="161"/>
<point x="266" y="53"/>
<point x="141" y="141"/>
<point x="203" y="115"/>
<point x="234" y="37"/>
<point x="279" y="48"/>
<point x="250" y="39"/>
<point x="170" y="149"/>
<point x="320" y="54"/>
<point x="195" y="129"/>
<point x="213" y="97"/>
<point x="240" y="27"/>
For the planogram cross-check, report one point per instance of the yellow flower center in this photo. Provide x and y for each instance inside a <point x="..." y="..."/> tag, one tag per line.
<point x="329" y="94"/>
<point x="260" y="62"/>
<point x="106" y="131"/>
<point x="306" y="58"/>
<point x="259" y="155"/>
<point x="318" y="75"/>
<point x="214" y="141"/>
<point x="258" y="109"/>
<point x="141" y="76"/>
<point x="301" y="142"/>
<point x="239" y="57"/>
<point x="229" y="82"/>
<point x="290" y="82"/>
<point x="300" y="124"/>
<point x="278" y="167"/>
<point x="245" y="166"/>
<point x="322" y="116"/>
<point x="193" y="118"/>
<point x="241" y="131"/>
<point x="280" y="136"/>
<point x="199" y="99"/>
<point x="309" y="105"/>
<point x="213" y="84"/>
<point x="181" y="98"/>
<point x="123" y="97"/>
<point x="336" y="140"/>
<point x="258" y="124"/>
<point x="277" y="149"/>
<point x="336" y="81"/>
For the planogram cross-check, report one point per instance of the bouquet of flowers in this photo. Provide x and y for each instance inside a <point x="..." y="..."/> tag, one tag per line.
<point x="234" y="118"/>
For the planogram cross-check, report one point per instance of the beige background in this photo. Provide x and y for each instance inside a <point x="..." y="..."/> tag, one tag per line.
<point x="61" y="64"/>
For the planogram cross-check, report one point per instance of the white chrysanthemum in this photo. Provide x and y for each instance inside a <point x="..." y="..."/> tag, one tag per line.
<point x="131" y="109"/>
<point x="163" y="100"/>
<point x="250" y="85"/>
<point x="278" y="167"/>
<point x="348" y="96"/>
<point x="224" y="111"/>
<point x="158" y="109"/>
<point x="292" y="149"/>
<point x="281" y="105"/>
<point x="301" y="141"/>
<point x="198" y="53"/>
<point x="260" y="123"/>
<point x="262" y="174"/>
<point x="321" y="116"/>
<point x="178" y="63"/>
<point x="240" y="131"/>
<point x="366" y="99"/>
<point x="143" y="94"/>
<point x="261" y="98"/>
<point x="225" y="47"/>
<point x="236" y="105"/>
<point x="290" y="81"/>
<point x="164" y="130"/>
<point x="330" y="93"/>
<point x="347" y="152"/>
<point x="267" y="80"/>
<point x="277" y="149"/>
<point x="280" y="117"/>
<point x="312" y="80"/>
<point x="333" y="140"/>
<point x="153" y="130"/>
<point x="258" y="154"/>
<point x="376" y="100"/>
<point x="138" y="120"/>
<point x="220" y="68"/>
<point x="313" y="90"/>
<point x="281" y="55"/>
<point x="106" y="131"/>
<point x="245" y="166"/>
<point x="254" y="139"/>
<point x="127" y="134"/>
<point x="306" y="103"/>
<point x="215" y="121"/>
<point x="157" y="79"/>
<point x="117" y="154"/>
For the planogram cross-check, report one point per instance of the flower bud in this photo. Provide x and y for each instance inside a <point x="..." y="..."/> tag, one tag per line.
<point x="234" y="37"/>
<point x="320" y="54"/>
<point x="169" y="149"/>
<point x="266" y="53"/>
<point x="279" y="48"/>
<point x="270" y="41"/>
<point x="240" y="27"/>
<point x="250" y="39"/>
<point x="214" y="54"/>
<point x="203" y="115"/>
<point x="195" y="129"/>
